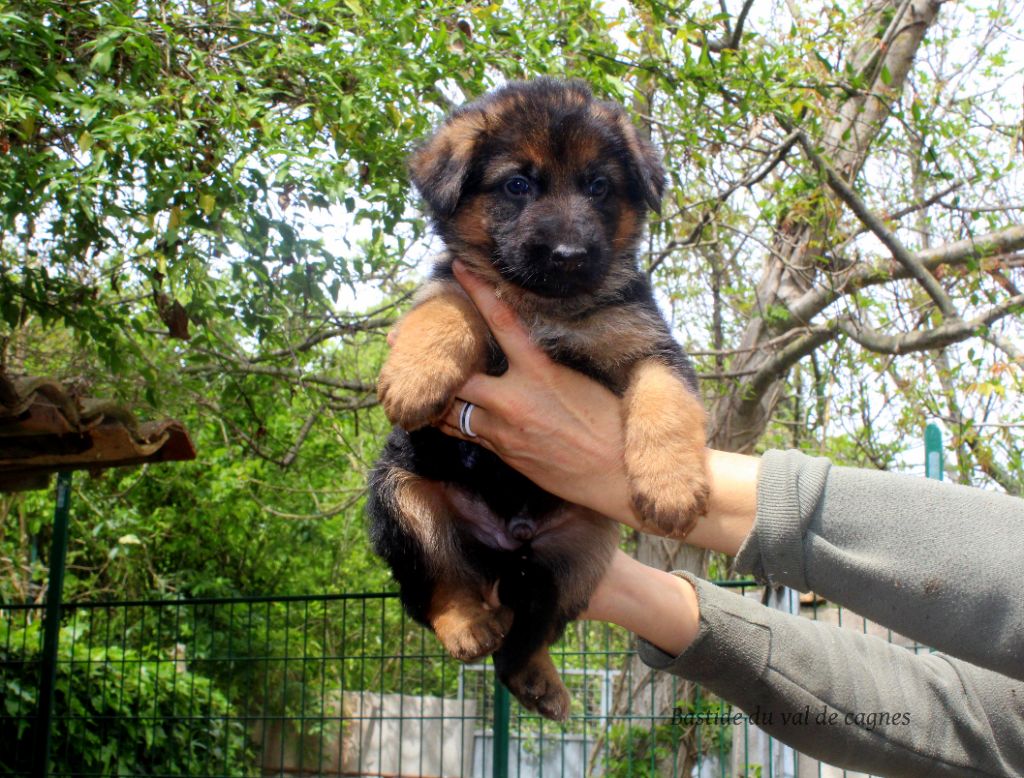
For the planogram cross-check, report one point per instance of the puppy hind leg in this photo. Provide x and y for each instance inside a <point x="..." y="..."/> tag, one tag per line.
<point x="523" y="663"/>
<point x="665" y="450"/>
<point x="468" y="628"/>
<point x="535" y="683"/>
<point x="452" y="597"/>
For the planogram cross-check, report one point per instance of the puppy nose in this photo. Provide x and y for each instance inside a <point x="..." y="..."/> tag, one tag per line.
<point x="568" y="253"/>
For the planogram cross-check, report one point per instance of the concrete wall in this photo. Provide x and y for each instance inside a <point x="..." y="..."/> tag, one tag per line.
<point x="370" y="734"/>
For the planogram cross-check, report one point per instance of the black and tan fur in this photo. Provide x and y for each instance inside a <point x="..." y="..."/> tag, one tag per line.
<point x="542" y="190"/>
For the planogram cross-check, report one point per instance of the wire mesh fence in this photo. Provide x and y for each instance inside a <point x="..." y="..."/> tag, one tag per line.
<point x="347" y="685"/>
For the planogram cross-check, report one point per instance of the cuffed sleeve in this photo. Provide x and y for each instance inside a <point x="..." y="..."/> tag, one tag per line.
<point x="789" y="491"/>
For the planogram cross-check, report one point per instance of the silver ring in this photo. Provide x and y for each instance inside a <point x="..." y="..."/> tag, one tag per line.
<point x="464" y="416"/>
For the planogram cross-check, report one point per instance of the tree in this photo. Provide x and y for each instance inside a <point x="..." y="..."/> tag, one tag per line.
<point x="198" y="200"/>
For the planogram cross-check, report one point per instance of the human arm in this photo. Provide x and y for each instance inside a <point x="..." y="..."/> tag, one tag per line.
<point x="895" y="712"/>
<point x="849" y="699"/>
<point x="937" y="562"/>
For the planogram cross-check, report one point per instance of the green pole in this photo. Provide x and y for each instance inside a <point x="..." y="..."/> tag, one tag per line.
<point x="933" y="452"/>
<point x="501" y="725"/>
<point x="51" y="627"/>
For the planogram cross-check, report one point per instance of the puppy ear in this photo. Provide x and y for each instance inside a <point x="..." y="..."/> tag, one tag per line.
<point x="440" y="166"/>
<point x="645" y="163"/>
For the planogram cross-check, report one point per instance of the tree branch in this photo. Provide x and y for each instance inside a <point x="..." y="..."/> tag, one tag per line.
<point x="895" y="216"/>
<point x="781" y="361"/>
<point x="944" y="335"/>
<point x="778" y="154"/>
<point x="815" y="300"/>
<point x="900" y="252"/>
<point x="1007" y="346"/>
<point x="293" y="452"/>
<point x="324" y="335"/>
<point x="248" y="368"/>
<point x="732" y="38"/>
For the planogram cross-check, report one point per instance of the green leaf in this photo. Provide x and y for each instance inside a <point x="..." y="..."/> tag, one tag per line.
<point x="101" y="60"/>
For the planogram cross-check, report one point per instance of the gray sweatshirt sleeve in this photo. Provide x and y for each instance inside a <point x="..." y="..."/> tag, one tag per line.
<point x="932" y="561"/>
<point x="850" y="699"/>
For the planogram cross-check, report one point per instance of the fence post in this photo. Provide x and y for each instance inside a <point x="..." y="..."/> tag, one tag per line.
<point x="933" y="465"/>
<point x="51" y="627"/>
<point x="501" y="725"/>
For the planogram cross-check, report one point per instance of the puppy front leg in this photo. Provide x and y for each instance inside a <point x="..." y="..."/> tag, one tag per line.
<point x="665" y="450"/>
<point x="439" y="344"/>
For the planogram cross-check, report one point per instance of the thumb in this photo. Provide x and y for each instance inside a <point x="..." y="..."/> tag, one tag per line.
<point x="506" y="327"/>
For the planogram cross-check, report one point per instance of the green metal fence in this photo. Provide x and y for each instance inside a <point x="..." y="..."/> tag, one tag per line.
<point x="341" y="685"/>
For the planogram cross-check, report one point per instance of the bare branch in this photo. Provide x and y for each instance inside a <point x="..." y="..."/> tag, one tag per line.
<point x="293" y="452"/>
<point x="815" y="300"/>
<point x="1002" y="242"/>
<point x="872" y="68"/>
<point x="324" y="335"/>
<point x="914" y="208"/>
<point x="248" y="368"/>
<point x="778" y="154"/>
<point x="785" y="337"/>
<point x="733" y="37"/>
<point x="1007" y="346"/>
<point x="326" y="513"/>
<point x="781" y="361"/>
<point x="944" y="335"/>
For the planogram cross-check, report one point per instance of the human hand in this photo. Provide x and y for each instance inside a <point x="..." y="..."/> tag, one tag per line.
<point x="564" y="432"/>
<point x="559" y="428"/>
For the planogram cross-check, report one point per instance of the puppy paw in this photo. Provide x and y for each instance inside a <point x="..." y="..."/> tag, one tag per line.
<point x="439" y="344"/>
<point x="412" y="394"/>
<point x="668" y="507"/>
<point x="539" y="689"/>
<point x="475" y="635"/>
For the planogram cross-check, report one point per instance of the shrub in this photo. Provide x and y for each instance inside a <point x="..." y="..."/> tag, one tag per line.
<point x="116" y="712"/>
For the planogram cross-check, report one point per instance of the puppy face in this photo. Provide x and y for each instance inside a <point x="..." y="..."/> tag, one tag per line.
<point x="541" y="186"/>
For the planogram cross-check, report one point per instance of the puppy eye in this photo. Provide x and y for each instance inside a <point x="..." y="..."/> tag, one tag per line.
<point x="598" y="187"/>
<point x="518" y="186"/>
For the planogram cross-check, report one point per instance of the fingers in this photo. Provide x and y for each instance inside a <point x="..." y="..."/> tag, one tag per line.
<point x="502" y="321"/>
<point x="467" y="421"/>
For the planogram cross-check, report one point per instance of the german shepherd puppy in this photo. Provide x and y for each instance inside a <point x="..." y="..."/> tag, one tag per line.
<point x="542" y="190"/>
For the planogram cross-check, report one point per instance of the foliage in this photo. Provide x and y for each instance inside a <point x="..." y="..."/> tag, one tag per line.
<point x="640" y="751"/>
<point x="126" y="714"/>
<point x="698" y="730"/>
<point x="205" y="214"/>
<point x="222" y="525"/>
